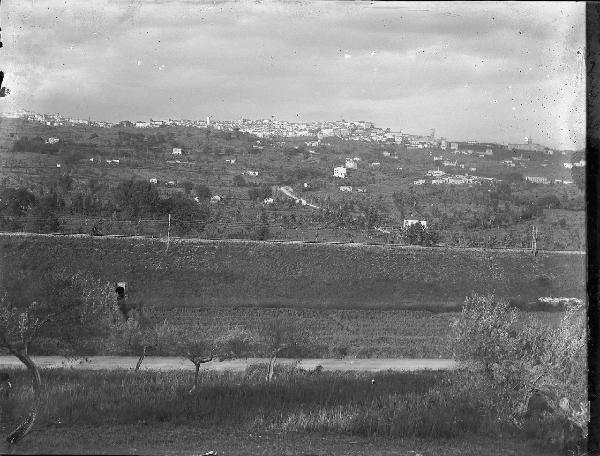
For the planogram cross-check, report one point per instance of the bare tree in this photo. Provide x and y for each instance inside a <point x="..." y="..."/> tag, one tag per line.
<point x="142" y="335"/>
<point x="198" y="349"/>
<point x="278" y="334"/>
<point x="66" y="309"/>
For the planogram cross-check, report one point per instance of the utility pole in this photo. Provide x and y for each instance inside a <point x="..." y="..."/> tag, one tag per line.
<point x="534" y="233"/>
<point x="169" y="232"/>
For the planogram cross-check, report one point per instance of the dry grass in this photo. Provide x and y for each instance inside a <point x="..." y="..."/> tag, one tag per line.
<point x="430" y="405"/>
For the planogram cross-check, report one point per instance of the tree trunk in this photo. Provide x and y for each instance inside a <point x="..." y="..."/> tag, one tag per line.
<point x="23" y="429"/>
<point x="195" y="376"/>
<point x="142" y="356"/>
<point x="271" y="367"/>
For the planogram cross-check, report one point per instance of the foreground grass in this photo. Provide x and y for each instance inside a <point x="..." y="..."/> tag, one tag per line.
<point x="433" y="406"/>
<point x="165" y="439"/>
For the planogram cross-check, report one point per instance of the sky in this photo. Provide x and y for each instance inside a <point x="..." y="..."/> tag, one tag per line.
<point x="473" y="71"/>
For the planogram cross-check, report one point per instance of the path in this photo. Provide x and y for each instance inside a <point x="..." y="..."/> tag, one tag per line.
<point x="289" y="192"/>
<point x="283" y="241"/>
<point x="174" y="363"/>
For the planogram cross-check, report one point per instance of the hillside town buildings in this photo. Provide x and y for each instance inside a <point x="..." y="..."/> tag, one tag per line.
<point x="339" y="171"/>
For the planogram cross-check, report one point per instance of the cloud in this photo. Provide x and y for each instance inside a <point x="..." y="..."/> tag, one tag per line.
<point x="442" y="62"/>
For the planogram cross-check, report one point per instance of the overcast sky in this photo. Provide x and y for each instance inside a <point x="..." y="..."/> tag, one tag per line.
<point x="470" y="70"/>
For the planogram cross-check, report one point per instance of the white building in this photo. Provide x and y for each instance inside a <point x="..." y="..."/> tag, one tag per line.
<point x="52" y="140"/>
<point x="340" y="171"/>
<point x="345" y="188"/>
<point x="407" y="223"/>
<point x="251" y="173"/>
<point x="154" y="180"/>
<point x="537" y="180"/>
<point x="268" y="201"/>
<point x="568" y="165"/>
<point x="419" y="182"/>
<point x="435" y="173"/>
<point x="351" y="164"/>
<point x="375" y="164"/>
<point x="177" y="151"/>
<point x="230" y="161"/>
<point x="216" y="199"/>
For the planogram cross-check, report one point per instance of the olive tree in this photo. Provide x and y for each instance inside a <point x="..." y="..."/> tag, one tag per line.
<point x="524" y="362"/>
<point x="200" y="349"/>
<point x="278" y="335"/>
<point x="65" y="311"/>
<point x="142" y="334"/>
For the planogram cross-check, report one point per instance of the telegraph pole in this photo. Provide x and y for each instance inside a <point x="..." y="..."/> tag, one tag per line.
<point x="169" y="232"/>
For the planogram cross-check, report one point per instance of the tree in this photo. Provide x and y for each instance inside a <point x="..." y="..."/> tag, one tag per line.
<point x="187" y="216"/>
<point x="199" y="349"/>
<point x="142" y="335"/>
<point x="137" y="198"/>
<point x="58" y="308"/>
<point x="578" y="172"/>
<point x="239" y="181"/>
<point x="44" y="218"/>
<point x="260" y="193"/>
<point x="522" y="361"/>
<point x="260" y="231"/>
<point x="202" y="191"/>
<point x="187" y="187"/>
<point x="278" y="335"/>
<point x="17" y="202"/>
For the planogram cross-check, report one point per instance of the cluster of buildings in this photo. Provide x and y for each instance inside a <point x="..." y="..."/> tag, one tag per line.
<point x="579" y="164"/>
<point x="437" y="177"/>
<point x="547" y="180"/>
<point x="54" y="120"/>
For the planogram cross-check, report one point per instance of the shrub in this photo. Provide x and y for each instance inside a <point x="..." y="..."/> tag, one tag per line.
<point x="520" y="359"/>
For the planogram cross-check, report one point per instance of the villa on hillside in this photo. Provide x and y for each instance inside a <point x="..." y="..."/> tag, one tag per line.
<point x="408" y="223"/>
<point x="339" y="171"/>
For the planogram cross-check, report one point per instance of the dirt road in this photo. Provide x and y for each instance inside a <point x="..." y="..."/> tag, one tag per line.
<point x="341" y="244"/>
<point x="173" y="363"/>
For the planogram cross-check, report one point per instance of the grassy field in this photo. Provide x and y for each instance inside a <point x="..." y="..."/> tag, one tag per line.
<point x="192" y="274"/>
<point x="369" y="301"/>
<point x="429" y="412"/>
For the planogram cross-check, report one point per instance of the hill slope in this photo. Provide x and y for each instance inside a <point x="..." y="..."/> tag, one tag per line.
<point x="200" y="274"/>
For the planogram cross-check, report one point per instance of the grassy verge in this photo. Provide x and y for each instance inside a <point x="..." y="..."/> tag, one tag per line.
<point x="428" y="405"/>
